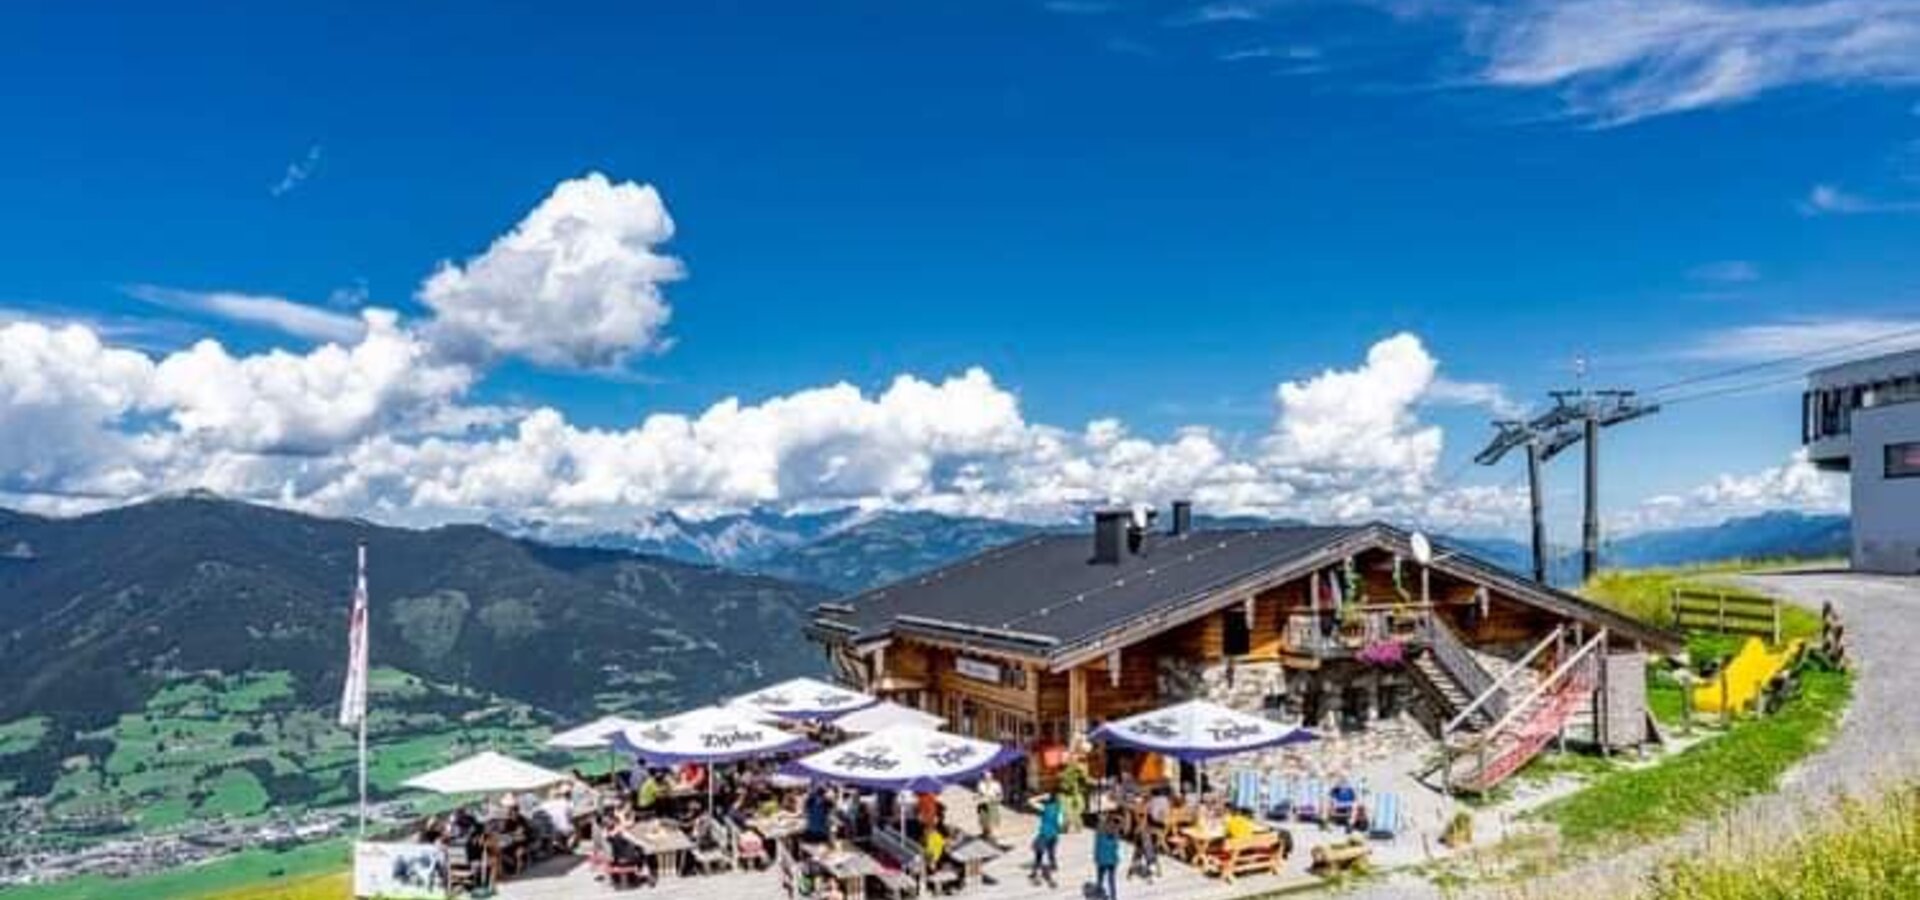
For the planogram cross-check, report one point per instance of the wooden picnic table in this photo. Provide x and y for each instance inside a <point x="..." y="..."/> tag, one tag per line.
<point x="778" y="826"/>
<point x="1202" y="838"/>
<point x="973" y="854"/>
<point x="848" y="866"/>
<point x="665" y="843"/>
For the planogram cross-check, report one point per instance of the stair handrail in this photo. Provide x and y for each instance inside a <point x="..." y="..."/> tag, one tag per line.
<point x="1559" y="674"/>
<point x="1453" y="656"/>
<point x="1500" y="683"/>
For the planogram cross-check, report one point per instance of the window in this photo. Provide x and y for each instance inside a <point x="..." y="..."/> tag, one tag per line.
<point x="1238" y="640"/>
<point x="1903" y="460"/>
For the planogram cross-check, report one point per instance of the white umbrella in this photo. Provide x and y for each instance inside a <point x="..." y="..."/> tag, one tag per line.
<point x="712" y="734"/>
<point x="884" y="715"/>
<point x="905" y="758"/>
<point x="486" y="773"/>
<point x="595" y="735"/>
<point x="1197" y="730"/>
<point x="804" y="698"/>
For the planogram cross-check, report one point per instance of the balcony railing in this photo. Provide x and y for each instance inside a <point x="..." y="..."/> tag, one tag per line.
<point x="1327" y="633"/>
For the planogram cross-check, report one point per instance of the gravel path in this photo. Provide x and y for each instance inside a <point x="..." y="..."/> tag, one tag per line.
<point x="1878" y="740"/>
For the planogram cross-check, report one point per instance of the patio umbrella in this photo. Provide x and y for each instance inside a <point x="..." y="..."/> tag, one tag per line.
<point x="709" y="735"/>
<point x="905" y="758"/>
<point x="486" y="773"/>
<point x="884" y="715"/>
<point x="1196" y="731"/>
<point x="804" y="698"/>
<point x="595" y="735"/>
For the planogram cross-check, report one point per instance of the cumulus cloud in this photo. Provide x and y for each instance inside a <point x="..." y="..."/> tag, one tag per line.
<point x="62" y="391"/>
<point x="1795" y="485"/>
<point x="278" y="313"/>
<point x="1620" y="61"/>
<point x="577" y="283"/>
<point x="312" y="403"/>
<point x="383" y="428"/>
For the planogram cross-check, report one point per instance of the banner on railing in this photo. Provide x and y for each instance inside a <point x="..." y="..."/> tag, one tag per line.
<point x="399" y="871"/>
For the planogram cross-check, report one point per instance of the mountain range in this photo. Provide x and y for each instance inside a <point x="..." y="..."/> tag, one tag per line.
<point x="103" y="611"/>
<point x="852" y="550"/>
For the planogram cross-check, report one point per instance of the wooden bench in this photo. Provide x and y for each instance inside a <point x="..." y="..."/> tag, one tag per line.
<point x="1333" y="859"/>
<point x="1251" y="854"/>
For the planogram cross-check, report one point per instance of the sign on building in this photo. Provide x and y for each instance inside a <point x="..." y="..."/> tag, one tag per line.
<point x="977" y="669"/>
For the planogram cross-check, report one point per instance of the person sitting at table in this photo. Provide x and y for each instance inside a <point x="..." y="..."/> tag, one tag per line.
<point x="1158" y="807"/>
<point x="647" y="795"/>
<point x="1344" y="798"/>
<point x="926" y="811"/>
<point x="557" y="812"/>
<point x="631" y="866"/>
<point x="692" y="778"/>
<point x="515" y="834"/>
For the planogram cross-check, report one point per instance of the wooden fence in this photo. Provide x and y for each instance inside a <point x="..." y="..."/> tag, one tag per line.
<point x="1728" y="612"/>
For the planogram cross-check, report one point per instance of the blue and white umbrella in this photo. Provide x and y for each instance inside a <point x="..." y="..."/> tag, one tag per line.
<point x="905" y="758"/>
<point x="712" y="734"/>
<point x="1197" y="730"/>
<point x="804" y="698"/>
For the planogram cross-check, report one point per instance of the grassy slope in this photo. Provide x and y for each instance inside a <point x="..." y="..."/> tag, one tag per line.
<point x="254" y="874"/>
<point x="1712" y="776"/>
<point x="1856" y="850"/>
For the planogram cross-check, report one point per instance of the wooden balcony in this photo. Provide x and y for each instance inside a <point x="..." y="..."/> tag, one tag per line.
<point x="1328" y="635"/>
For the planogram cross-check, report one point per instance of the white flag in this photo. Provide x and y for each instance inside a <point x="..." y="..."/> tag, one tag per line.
<point x="353" y="700"/>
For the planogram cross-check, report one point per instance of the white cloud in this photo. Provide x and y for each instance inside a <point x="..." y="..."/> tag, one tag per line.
<point x="577" y="283"/>
<point x="383" y="428"/>
<point x="297" y="172"/>
<point x="1829" y="200"/>
<point x="1803" y="338"/>
<point x="313" y="403"/>
<point x="1619" y="61"/>
<point x="1794" y="485"/>
<point x="1293" y="52"/>
<point x="1225" y="11"/>
<point x="278" y="313"/>
<point x="62" y="391"/>
<point x="1484" y="394"/>
<point x="1725" y="271"/>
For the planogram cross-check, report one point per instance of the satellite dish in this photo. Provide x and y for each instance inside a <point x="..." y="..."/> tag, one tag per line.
<point x="1140" y="516"/>
<point x="1422" y="548"/>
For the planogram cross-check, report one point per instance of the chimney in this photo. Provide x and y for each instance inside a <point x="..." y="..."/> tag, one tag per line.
<point x="1110" y="535"/>
<point x="1182" y="517"/>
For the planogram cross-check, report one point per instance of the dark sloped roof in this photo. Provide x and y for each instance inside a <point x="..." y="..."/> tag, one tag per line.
<point x="1046" y="590"/>
<point x="1045" y="593"/>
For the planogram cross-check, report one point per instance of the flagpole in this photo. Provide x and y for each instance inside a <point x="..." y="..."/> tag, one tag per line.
<point x="365" y="629"/>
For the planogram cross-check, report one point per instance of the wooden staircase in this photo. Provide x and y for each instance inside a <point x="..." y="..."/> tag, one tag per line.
<point x="1468" y="696"/>
<point x="1481" y="761"/>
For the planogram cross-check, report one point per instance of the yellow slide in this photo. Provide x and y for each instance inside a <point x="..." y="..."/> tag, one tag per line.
<point x="1743" y="678"/>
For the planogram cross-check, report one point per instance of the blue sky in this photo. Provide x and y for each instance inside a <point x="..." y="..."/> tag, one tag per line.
<point x="1155" y="212"/>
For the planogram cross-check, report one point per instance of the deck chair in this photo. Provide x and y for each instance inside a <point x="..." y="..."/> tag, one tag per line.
<point x="1245" y="791"/>
<point x="1383" y="820"/>
<point x="1309" y="800"/>
<point x="1279" y="797"/>
<point x="461" y="869"/>
<point x="1341" y="812"/>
